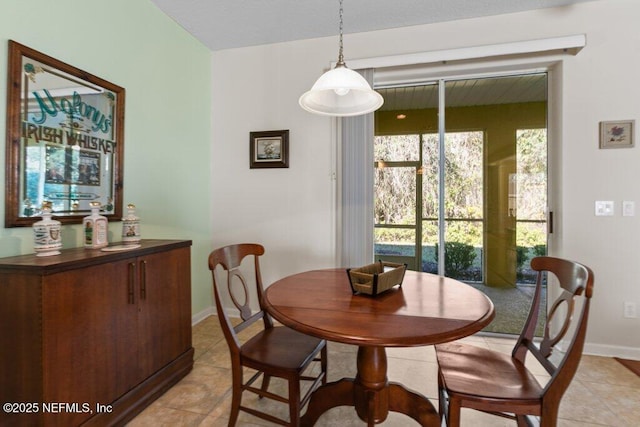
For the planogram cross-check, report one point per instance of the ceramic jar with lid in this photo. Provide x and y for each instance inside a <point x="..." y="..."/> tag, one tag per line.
<point x="47" y="239"/>
<point x="95" y="228"/>
<point x="131" y="226"/>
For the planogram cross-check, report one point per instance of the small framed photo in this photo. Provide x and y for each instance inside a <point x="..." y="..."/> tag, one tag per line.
<point x="269" y="149"/>
<point x="618" y="134"/>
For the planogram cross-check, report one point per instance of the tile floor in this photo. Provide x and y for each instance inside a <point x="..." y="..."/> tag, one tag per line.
<point x="603" y="392"/>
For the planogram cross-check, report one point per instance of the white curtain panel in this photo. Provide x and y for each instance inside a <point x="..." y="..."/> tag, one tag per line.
<point x="356" y="188"/>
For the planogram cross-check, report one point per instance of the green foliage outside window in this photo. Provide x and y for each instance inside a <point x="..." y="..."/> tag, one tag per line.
<point x="395" y="194"/>
<point x="458" y="257"/>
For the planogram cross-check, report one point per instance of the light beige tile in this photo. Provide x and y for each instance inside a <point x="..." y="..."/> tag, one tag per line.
<point x="572" y="423"/>
<point x="277" y="409"/>
<point x="580" y="404"/>
<point x="422" y="353"/>
<point x="535" y="367"/>
<point x="342" y="364"/>
<point x="200" y="391"/>
<point x="500" y="347"/>
<point x="542" y="379"/>
<point x="341" y="348"/>
<point x="202" y="342"/>
<point x="340" y="417"/>
<point x="209" y="327"/>
<point x="606" y="370"/>
<point x="621" y="400"/>
<point x="471" y="418"/>
<point x="156" y="415"/>
<point x="603" y="392"/>
<point x="421" y="377"/>
<point x="218" y="416"/>
<point x="217" y="355"/>
<point x="478" y="341"/>
<point x="495" y="339"/>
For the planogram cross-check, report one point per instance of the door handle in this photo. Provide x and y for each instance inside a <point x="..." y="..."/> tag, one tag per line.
<point x="131" y="284"/>
<point x="143" y="280"/>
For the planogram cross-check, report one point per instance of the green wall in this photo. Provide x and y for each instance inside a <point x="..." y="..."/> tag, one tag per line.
<point x="167" y="77"/>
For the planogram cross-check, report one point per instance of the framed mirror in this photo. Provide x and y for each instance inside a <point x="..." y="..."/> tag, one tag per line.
<point x="65" y="140"/>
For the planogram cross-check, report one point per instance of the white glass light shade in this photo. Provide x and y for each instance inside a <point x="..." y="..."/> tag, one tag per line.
<point x="341" y="92"/>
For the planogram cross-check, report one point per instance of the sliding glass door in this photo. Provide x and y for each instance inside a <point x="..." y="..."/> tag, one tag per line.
<point x="460" y="177"/>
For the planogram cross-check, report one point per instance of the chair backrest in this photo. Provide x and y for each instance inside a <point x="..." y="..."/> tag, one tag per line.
<point x="576" y="287"/>
<point x="237" y="289"/>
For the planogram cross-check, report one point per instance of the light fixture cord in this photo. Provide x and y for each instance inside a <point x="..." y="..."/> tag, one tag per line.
<point x="340" y="55"/>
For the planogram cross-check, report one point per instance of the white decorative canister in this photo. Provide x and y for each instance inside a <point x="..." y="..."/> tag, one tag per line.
<point x="47" y="239"/>
<point x="131" y="226"/>
<point x="95" y="228"/>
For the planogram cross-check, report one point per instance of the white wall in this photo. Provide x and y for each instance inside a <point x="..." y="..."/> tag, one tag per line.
<point x="291" y="211"/>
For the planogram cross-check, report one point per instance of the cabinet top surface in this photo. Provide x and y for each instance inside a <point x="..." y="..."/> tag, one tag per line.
<point x="78" y="257"/>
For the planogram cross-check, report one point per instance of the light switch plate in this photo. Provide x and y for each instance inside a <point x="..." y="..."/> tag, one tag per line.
<point x="630" y="311"/>
<point x="628" y="208"/>
<point x="604" y="208"/>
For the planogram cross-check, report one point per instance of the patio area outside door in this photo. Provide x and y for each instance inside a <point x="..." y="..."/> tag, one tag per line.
<point x="463" y="192"/>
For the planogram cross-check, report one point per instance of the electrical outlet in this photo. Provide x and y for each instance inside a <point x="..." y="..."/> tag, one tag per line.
<point x="628" y="208"/>
<point x="630" y="311"/>
<point x="604" y="208"/>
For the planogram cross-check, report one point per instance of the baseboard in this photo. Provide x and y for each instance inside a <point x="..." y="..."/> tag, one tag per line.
<point x="612" y="351"/>
<point x="199" y="317"/>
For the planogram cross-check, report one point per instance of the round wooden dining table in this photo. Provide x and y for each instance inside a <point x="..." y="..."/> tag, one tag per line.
<point x="427" y="309"/>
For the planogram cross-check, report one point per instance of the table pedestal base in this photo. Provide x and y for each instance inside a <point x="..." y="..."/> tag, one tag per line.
<point x="371" y="394"/>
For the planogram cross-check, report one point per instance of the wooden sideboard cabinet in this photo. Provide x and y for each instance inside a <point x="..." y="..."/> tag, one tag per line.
<point x="90" y="337"/>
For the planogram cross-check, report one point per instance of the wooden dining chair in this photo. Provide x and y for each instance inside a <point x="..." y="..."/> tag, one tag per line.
<point x="500" y="384"/>
<point x="274" y="351"/>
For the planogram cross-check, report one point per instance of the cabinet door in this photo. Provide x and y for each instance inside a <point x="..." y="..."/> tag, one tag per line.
<point x="89" y="328"/>
<point x="164" y="322"/>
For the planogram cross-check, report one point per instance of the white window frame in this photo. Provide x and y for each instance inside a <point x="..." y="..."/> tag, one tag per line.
<point x="541" y="55"/>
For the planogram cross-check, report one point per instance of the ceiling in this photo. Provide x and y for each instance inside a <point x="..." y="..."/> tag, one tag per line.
<point x="224" y="24"/>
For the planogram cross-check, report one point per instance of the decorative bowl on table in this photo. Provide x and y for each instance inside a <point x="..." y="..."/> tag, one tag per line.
<point x="376" y="278"/>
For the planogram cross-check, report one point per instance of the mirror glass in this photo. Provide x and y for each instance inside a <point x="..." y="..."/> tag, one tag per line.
<point x="65" y="140"/>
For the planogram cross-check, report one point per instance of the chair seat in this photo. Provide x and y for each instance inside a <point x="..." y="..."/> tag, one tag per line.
<point x="280" y="346"/>
<point x="474" y="371"/>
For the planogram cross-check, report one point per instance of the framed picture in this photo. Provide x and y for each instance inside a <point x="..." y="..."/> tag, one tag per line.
<point x="269" y="149"/>
<point x="618" y="134"/>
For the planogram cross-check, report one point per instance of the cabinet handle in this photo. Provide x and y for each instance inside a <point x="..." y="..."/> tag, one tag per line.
<point x="143" y="280"/>
<point x="132" y="279"/>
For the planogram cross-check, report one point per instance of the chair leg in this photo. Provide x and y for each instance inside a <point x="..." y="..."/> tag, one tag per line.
<point x="442" y="398"/>
<point x="294" y="401"/>
<point x="236" y="397"/>
<point x="265" y="384"/>
<point x="323" y="363"/>
<point x="549" y="415"/>
<point x="453" y="413"/>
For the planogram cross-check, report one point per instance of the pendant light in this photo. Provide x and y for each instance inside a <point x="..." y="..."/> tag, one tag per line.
<point x="341" y="92"/>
